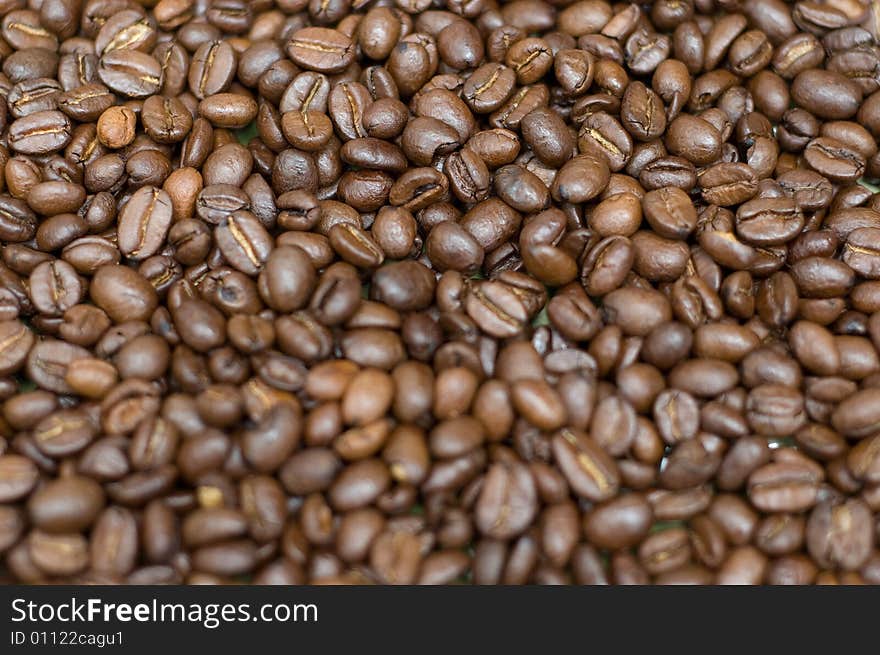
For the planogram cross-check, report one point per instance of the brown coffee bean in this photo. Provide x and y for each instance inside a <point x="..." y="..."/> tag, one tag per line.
<point x="144" y="223"/>
<point x="16" y="341"/>
<point x="588" y="469"/>
<point x="619" y="523"/>
<point x="66" y="505"/>
<point x="784" y="487"/>
<point x="507" y="502"/>
<point x="19" y="477"/>
<point x="839" y="534"/>
<point x="116" y="127"/>
<point x="321" y="49"/>
<point x="495" y="308"/>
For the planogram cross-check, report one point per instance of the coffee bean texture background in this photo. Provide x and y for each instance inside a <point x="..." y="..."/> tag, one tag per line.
<point x="439" y="291"/>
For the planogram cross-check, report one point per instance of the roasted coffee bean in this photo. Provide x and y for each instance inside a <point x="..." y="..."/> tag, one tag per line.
<point x="495" y="308"/>
<point x="468" y="176"/>
<point x="166" y="120"/>
<point x="588" y="469"/>
<point x="40" y="133"/>
<point x="695" y="139"/>
<point x="66" y="505"/>
<point x="507" y="502"/>
<point x="228" y="110"/>
<point x="58" y="554"/>
<point x="116" y="127"/>
<point x="548" y="136"/>
<point x="15" y="344"/>
<point x="17" y="221"/>
<point x="580" y="179"/>
<point x="784" y="487"/>
<point x="20" y="476"/>
<point x="642" y="112"/>
<point x="321" y="49"/>
<point x="620" y="522"/>
<point x="144" y="223"/>
<point x="602" y="135"/>
<point x="728" y="184"/>
<point x="244" y="242"/>
<point x="839" y="534"/>
<point x="826" y="94"/>
<point x="212" y="68"/>
<point x="669" y="212"/>
<point x="130" y="73"/>
<point x="769" y="221"/>
<point x="834" y="159"/>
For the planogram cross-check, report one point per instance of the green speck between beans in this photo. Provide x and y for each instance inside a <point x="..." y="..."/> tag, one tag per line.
<point x="873" y="188"/>
<point x="246" y="134"/>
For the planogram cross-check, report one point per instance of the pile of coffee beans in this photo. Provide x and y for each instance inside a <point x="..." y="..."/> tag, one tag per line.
<point x="439" y="291"/>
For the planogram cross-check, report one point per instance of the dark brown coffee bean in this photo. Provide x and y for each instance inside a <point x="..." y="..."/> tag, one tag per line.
<point x="602" y="135"/>
<point x="58" y="554"/>
<point x="839" y="534"/>
<point x="321" y="49"/>
<point x="166" y="120"/>
<point x="834" y="159"/>
<point x="669" y="212"/>
<point x="769" y="221"/>
<point x="20" y="476"/>
<point x="114" y="544"/>
<point x="130" y="73"/>
<point x="244" y="242"/>
<point x="507" y="502"/>
<point x="826" y="94"/>
<point x="144" y="223"/>
<point x="619" y="523"/>
<point x="496" y="309"/>
<point x="588" y="469"/>
<point x="16" y="341"/>
<point x="783" y="487"/>
<point x="212" y="68"/>
<point x="728" y="184"/>
<point x="66" y="505"/>
<point x="580" y="179"/>
<point x="40" y="133"/>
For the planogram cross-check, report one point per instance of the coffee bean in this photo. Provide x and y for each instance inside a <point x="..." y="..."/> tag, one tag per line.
<point x="769" y="221"/>
<point x="321" y="49"/>
<point x="58" y="554"/>
<point x="669" y="212"/>
<point x="244" y="242"/>
<point x="66" y="505"/>
<point x="16" y="341"/>
<point x="826" y="94"/>
<point x="580" y="179"/>
<point x="166" y="120"/>
<point x="834" y="159"/>
<point x="144" y="223"/>
<point x="694" y="139"/>
<point x="114" y="545"/>
<point x="783" y="487"/>
<point x="619" y="523"/>
<point x="20" y="476"/>
<point x="130" y="73"/>
<point x="116" y="127"/>
<point x="507" y="502"/>
<point x="40" y="133"/>
<point x="839" y="534"/>
<point x="588" y="469"/>
<point x="212" y="68"/>
<point x="229" y="110"/>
